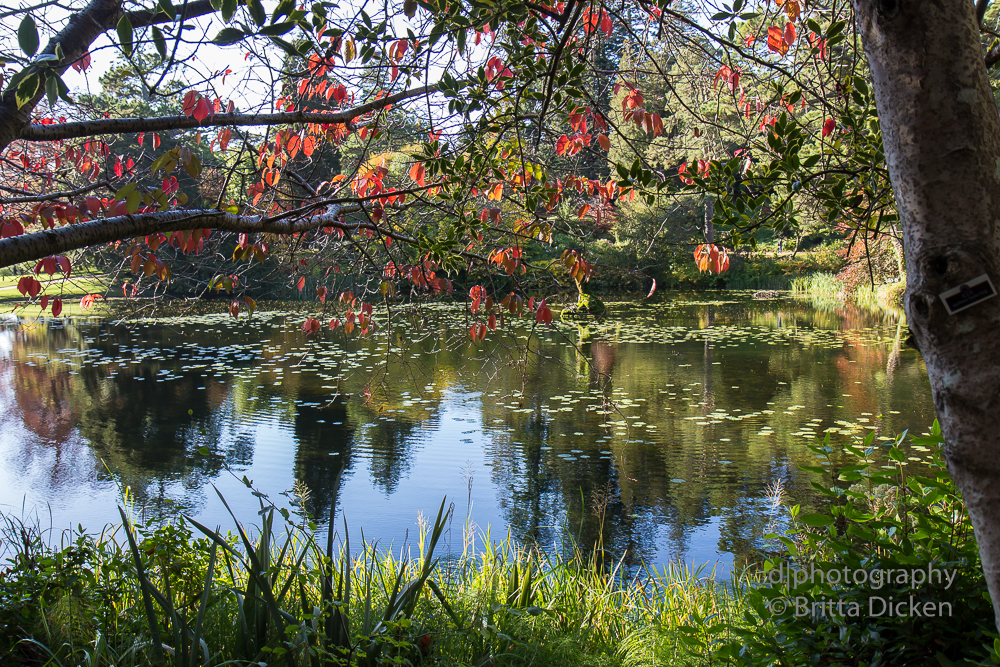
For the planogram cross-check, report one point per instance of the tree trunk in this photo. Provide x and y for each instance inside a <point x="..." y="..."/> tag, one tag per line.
<point x="942" y="143"/>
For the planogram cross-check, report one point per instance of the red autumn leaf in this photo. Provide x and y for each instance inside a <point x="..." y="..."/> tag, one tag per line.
<point x="334" y="323"/>
<point x="48" y="265"/>
<point x="311" y="326"/>
<point x="201" y="110"/>
<point x="776" y="40"/>
<point x="293" y="145"/>
<point x="11" y="228"/>
<point x="789" y="36"/>
<point x="543" y="315"/>
<point x="478" y="331"/>
<point x="190" y="101"/>
<point x="604" y="142"/>
<point x="309" y="146"/>
<point x="606" y="25"/>
<point x="56" y="307"/>
<point x="45" y="302"/>
<point x="477" y="294"/>
<point x="492" y="323"/>
<point x="829" y="126"/>
<point x="82" y="63"/>
<point x="417" y="173"/>
<point x="302" y="283"/>
<point x="711" y="258"/>
<point x="321" y="294"/>
<point x="652" y="289"/>
<point x="88" y="300"/>
<point x="562" y="145"/>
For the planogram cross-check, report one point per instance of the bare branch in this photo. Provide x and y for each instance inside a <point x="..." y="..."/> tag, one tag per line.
<point x="37" y="132"/>
<point x="28" y="199"/>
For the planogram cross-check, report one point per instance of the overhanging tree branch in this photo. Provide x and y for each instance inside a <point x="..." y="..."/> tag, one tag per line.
<point x="34" y="246"/>
<point x="36" y="132"/>
<point x="82" y="29"/>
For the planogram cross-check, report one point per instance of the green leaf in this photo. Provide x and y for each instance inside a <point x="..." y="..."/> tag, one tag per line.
<point x="256" y="12"/>
<point x="124" y="29"/>
<point x="278" y="28"/>
<point x="228" y="10"/>
<point x="64" y="91"/>
<point x="228" y="36"/>
<point x="193" y="166"/>
<point x="27" y="88"/>
<point x="27" y="35"/>
<point x="285" y="46"/>
<point x="167" y="8"/>
<point x="816" y="520"/>
<point x="284" y="8"/>
<point x="160" y="42"/>
<point x="52" y="88"/>
<point x="132" y="201"/>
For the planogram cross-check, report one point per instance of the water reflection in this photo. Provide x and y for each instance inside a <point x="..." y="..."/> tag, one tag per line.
<point x="655" y="433"/>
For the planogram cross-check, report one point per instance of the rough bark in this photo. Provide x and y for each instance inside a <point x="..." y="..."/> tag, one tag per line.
<point x="30" y="247"/>
<point x="942" y="142"/>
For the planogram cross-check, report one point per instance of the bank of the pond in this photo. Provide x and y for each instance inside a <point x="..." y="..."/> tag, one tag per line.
<point x="180" y="593"/>
<point x="825" y="290"/>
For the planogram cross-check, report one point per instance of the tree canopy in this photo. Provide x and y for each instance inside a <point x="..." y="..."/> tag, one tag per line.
<point x="407" y="145"/>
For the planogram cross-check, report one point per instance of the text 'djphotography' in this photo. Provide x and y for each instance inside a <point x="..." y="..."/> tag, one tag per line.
<point x="891" y="591"/>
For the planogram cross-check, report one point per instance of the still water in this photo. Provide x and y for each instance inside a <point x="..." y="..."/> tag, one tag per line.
<point x="658" y="431"/>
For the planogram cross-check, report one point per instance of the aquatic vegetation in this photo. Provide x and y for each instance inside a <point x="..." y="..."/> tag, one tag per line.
<point x="688" y="408"/>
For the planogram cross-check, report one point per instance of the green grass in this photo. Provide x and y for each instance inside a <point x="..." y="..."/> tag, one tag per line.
<point x="69" y="290"/>
<point x="827" y="292"/>
<point x="181" y="594"/>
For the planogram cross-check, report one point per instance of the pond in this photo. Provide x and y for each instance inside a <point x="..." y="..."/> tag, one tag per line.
<point x="660" y="432"/>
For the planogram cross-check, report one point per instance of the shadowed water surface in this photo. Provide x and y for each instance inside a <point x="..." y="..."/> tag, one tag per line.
<point x="657" y="432"/>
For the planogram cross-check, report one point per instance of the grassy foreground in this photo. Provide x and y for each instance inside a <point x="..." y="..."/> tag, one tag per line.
<point x="179" y="593"/>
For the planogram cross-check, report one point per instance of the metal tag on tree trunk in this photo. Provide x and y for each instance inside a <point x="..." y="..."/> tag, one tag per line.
<point x="968" y="294"/>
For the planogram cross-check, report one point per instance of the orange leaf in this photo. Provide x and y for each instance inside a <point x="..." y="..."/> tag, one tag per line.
<point x="417" y="173"/>
<point x="776" y="40"/>
<point x="604" y="142"/>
